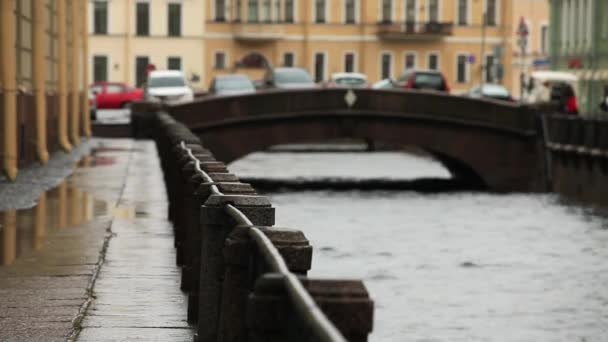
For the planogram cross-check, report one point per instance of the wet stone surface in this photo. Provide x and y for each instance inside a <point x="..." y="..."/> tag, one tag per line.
<point x="51" y="253"/>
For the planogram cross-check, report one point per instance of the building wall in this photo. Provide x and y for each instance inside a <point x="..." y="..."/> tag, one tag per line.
<point x="122" y="46"/>
<point x="42" y="103"/>
<point x="304" y="38"/>
<point x="579" y="44"/>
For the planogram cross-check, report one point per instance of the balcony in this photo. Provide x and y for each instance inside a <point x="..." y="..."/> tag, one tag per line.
<point x="414" y="30"/>
<point x="257" y="31"/>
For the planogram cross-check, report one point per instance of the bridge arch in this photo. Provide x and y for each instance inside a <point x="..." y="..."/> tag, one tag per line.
<point x="480" y="141"/>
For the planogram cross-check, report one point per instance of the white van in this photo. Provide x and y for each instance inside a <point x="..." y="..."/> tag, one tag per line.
<point x="540" y="83"/>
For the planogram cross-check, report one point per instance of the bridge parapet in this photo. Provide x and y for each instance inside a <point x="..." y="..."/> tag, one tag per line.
<point x="421" y="105"/>
<point x="234" y="262"/>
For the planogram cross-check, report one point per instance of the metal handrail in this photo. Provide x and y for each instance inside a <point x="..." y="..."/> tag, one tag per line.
<point x="303" y="302"/>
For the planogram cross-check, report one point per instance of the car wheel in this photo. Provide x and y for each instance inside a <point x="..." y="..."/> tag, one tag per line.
<point x="126" y="105"/>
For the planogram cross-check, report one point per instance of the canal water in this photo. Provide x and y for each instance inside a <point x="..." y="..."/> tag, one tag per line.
<point x="457" y="266"/>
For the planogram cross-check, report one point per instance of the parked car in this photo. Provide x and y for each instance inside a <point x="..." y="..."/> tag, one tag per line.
<point x="423" y="79"/>
<point x="542" y="84"/>
<point x="231" y="84"/>
<point x="348" y="79"/>
<point x="113" y="95"/>
<point x="288" y="78"/>
<point x="492" y="91"/>
<point x="168" y="86"/>
<point x="386" y="83"/>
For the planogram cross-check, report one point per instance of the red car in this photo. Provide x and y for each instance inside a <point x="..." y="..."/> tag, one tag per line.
<point x="111" y="95"/>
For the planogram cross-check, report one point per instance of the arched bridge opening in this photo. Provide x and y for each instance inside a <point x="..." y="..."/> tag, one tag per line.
<point x="490" y="144"/>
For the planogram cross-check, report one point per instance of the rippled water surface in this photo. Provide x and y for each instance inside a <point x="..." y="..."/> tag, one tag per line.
<point x="450" y="267"/>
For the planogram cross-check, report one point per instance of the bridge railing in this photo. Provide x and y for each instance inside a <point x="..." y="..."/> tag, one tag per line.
<point x="416" y="104"/>
<point x="573" y="134"/>
<point x="245" y="280"/>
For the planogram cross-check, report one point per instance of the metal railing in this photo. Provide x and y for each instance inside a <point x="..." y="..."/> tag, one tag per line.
<point x="303" y="302"/>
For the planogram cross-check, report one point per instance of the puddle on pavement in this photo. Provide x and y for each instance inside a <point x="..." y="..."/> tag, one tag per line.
<point x="25" y="231"/>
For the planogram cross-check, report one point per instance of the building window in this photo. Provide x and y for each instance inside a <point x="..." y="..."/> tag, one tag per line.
<point x="141" y="70"/>
<point x="289" y="59"/>
<point x="491" y="12"/>
<point x="410" y="11"/>
<point x="433" y="61"/>
<point x="489" y="67"/>
<point x="544" y="39"/>
<point x="319" y="66"/>
<point x="142" y="10"/>
<point x="175" y="20"/>
<point x="100" y="17"/>
<point x="174" y="63"/>
<point x="277" y="5"/>
<point x="349" y="62"/>
<point x="266" y="10"/>
<point x="289" y="11"/>
<point x="387" y="62"/>
<point x="350" y="11"/>
<point x="238" y="9"/>
<point x="387" y="10"/>
<point x="320" y="11"/>
<point x="100" y="68"/>
<point x="410" y="61"/>
<point x="463" y="11"/>
<point x="461" y="69"/>
<point x="252" y="11"/>
<point x="220" y="60"/>
<point x="220" y="10"/>
<point x="434" y="11"/>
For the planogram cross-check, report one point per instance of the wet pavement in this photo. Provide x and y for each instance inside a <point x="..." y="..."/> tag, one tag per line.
<point x="94" y="259"/>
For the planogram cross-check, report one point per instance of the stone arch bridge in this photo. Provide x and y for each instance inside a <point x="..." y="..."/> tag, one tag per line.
<point x="494" y="144"/>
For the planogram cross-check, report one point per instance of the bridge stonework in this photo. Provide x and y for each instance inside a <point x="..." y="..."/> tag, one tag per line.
<point x="496" y="145"/>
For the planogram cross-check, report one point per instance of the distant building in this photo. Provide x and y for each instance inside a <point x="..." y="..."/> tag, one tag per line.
<point x="579" y="44"/>
<point x="126" y="36"/>
<point x="380" y="38"/>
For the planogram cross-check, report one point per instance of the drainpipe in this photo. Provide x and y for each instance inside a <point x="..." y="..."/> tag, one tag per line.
<point x="75" y="129"/>
<point x="86" y="117"/>
<point x="39" y="74"/>
<point x="9" y="81"/>
<point x="62" y="78"/>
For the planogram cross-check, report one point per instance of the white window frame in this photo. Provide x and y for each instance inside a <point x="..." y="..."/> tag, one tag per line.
<point x="469" y="14"/>
<point x="92" y="16"/>
<point x="357" y="12"/>
<point x="325" y="64"/>
<point x="92" y="64"/>
<point x="405" y="10"/>
<point x="391" y="64"/>
<point x="181" y="61"/>
<point x="327" y="12"/>
<point x="439" y="10"/>
<point x="467" y="67"/>
<point x="484" y="66"/>
<point x="282" y="63"/>
<point x="404" y="59"/>
<point x="392" y="10"/>
<point x="182" y="33"/>
<point x="436" y="53"/>
<point x="226" y="59"/>
<point x="355" y="60"/>
<point x="497" y="14"/>
<point x="544" y="24"/>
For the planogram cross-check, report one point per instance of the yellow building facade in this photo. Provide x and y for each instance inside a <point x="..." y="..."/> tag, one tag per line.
<point x="43" y="106"/>
<point x="126" y="36"/>
<point x="380" y="38"/>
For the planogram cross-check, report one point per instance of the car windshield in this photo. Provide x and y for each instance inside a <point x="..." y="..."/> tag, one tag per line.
<point x="292" y="76"/>
<point x="428" y="80"/>
<point x="234" y="84"/>
<point x="166" y="81"/>
<point x="495" y="91"/>
<point x="353" y="81"/>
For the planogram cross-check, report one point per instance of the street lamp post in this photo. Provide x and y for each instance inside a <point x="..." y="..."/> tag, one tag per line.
<point x="522" y="42"/>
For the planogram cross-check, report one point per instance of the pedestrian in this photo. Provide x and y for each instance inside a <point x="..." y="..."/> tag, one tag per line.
<point x="604" y="103"/>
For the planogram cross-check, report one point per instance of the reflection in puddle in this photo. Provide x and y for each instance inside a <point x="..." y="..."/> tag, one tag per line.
<point x="23" y="231"/>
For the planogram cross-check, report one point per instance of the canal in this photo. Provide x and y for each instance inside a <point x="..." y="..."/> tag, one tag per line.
<point x="458" y="266"/>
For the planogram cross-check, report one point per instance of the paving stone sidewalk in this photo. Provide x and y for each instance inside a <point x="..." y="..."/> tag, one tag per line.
<point x="108" y="272"/>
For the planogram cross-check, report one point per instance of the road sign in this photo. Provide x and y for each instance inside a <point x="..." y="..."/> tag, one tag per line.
<point x="471" y="59"/>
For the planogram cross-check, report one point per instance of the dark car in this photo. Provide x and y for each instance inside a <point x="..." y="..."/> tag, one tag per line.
<point x="288" y="78"/>
<point x="231" y="84"/>
<point x="423" y="79"/>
